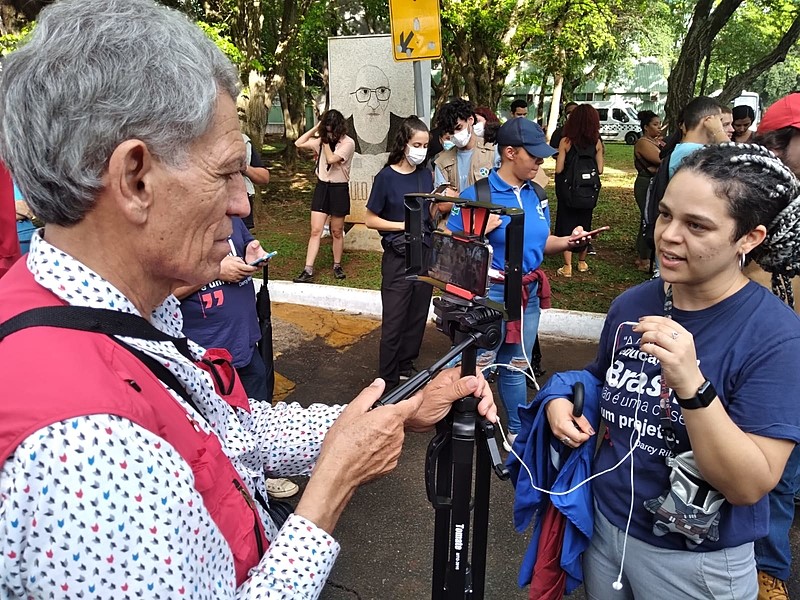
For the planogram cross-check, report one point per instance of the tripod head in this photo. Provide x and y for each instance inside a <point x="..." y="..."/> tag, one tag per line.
<point x="464" y="312"/>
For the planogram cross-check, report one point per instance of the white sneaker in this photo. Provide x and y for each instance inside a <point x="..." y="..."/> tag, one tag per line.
<point x="326" y="231"/>
<point x="282" y="488"/>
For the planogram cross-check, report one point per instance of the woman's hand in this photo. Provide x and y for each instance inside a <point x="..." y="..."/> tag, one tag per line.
<point x="572" y="431"/>
<point x="493" y="222"/>
<point x="674" y="347"/>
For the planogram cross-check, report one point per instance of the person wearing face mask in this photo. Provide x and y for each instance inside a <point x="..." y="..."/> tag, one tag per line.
<point x="405" y="303"/>
<point x="469" y="158"/>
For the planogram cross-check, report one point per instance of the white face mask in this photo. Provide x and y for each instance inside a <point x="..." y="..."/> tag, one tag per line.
<point x="448" y="145"/>
<point x="461" y="138"/>
<point x="416" y="156"/>
<point x="477" y="129"/>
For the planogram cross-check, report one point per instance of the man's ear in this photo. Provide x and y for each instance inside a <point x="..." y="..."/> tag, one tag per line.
<point x="131" y="178"/>
<point x="752" y="239"/>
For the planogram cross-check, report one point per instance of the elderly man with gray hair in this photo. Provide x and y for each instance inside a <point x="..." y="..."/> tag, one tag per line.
<point x="131" y="462"/>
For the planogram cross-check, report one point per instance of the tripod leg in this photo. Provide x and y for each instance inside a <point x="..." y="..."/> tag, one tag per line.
<point x="441" y="529"/>
<point x="458" y="584"/>
<point x="480" y="521"/>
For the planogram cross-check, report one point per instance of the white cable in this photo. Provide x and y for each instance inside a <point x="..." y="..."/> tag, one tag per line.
<point x="634" y="443"/>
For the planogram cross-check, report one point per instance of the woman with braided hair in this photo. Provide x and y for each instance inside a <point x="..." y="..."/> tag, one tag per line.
<point x="693" y="380"/>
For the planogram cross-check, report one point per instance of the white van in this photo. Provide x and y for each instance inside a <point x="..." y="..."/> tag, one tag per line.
<point x="618" y="122"/>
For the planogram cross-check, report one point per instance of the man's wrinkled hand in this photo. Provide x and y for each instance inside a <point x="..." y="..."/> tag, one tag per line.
<point x="438" y="396"/>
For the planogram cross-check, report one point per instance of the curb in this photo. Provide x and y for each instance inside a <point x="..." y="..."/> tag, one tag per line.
<point x="554" y="322"/>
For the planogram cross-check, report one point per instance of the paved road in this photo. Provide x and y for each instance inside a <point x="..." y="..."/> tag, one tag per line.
<point x="387" y="530"/>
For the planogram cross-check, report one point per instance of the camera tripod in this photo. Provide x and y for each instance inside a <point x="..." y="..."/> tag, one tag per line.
<point x="464" y="438"/>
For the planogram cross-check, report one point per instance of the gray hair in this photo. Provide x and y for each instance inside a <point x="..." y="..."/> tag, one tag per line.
<point x="93" y="74"/>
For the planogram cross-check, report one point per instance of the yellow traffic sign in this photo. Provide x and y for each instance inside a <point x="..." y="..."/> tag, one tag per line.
<point x="416" y="29"/>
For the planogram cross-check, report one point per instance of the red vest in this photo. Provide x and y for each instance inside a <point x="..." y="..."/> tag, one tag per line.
<point x="9" y="243"/>
<point x="51" y="375"/>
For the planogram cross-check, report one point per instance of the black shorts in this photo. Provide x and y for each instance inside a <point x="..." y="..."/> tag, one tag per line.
<point x="331" y="198"/>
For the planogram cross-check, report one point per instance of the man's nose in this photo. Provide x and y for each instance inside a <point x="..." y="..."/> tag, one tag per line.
<point x="372" y="102"/>
<point x="238" y="204"/>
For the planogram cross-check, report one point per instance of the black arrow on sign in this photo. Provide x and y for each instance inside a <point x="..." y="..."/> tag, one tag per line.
<point x="404" y="43"/>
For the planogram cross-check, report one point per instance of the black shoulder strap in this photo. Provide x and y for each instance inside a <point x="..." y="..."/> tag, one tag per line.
<point x="483" y="191"/>
<point x="110" y="323"/>
<point x="96" y="320"/>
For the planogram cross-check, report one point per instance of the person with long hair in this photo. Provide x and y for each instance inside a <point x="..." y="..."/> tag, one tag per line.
<point x="581" y="131"/>
<point x="334" y="150"/>
<point x="646" y="159"/>
<point x="693" y="380"/>
<point x="405" y="303"/>
<point x="743" y="117"/>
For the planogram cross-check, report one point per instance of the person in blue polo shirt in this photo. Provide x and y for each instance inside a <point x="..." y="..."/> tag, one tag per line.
<point x="523" y="148"/>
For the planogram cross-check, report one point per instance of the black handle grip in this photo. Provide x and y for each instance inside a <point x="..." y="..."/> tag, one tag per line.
<point x="577" y="399"/>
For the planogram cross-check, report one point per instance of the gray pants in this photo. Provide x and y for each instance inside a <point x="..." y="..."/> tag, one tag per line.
<point x="653" y="573"/>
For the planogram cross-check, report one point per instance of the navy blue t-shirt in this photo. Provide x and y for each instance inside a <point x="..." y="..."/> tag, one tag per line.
<point x="223" y="315"/>
<point x="537" y="221"/>
<point x="388" y="190"/>
<point x="747" y="346"/>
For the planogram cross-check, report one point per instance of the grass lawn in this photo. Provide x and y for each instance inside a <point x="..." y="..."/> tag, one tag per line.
<point x="282" y="224"/>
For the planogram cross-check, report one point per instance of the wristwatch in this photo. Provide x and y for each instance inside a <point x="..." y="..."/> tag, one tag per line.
<point x="704" y="396"/>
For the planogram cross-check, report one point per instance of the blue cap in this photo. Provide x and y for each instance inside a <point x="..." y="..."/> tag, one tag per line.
<point x="522" y="132"/>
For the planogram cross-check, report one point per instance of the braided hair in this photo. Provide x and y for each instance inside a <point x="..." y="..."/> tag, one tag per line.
<point x="760" y="190"/>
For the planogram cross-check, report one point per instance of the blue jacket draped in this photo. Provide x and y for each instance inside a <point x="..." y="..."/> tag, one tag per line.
<point x="543" y="454"/>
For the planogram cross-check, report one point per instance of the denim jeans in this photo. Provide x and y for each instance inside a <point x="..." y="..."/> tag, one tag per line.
<point x="773" y="553"/>
<point x="511" y="383"/>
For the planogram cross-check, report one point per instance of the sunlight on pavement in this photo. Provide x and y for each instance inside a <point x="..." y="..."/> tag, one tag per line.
<point x="339" y="330"/>
<point x="295" y="324"/>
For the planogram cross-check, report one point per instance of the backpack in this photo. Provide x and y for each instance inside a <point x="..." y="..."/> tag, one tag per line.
<point x="583" y="178"/>
<point x="655" y="192"/>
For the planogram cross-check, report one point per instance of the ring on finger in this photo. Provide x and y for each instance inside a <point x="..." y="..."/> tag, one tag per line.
<point x="674" y="335"/>
<point x="566" y="440"/>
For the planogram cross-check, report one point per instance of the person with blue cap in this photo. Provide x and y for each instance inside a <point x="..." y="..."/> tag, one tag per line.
<point x="523" y="148"/>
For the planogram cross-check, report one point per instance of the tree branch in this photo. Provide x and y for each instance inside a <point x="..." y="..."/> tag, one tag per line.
<point x="735" y="85"/>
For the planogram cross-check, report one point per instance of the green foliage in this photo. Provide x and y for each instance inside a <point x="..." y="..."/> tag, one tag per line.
<point x="10" y="41"/>
<point x="752" y="31"/>
<point x="217" y="34"/>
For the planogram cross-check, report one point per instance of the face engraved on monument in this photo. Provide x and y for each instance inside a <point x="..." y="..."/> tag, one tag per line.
<point x="370" y="102"/>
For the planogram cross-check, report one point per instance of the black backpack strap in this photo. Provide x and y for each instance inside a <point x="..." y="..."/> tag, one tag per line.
<point x="111" y="323"/>
<point x="483" y="192"/>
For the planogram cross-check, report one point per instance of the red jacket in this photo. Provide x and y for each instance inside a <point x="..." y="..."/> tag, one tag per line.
<point x="59" y="374"/>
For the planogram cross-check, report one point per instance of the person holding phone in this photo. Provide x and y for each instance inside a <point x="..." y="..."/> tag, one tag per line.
<point x="405" y="303"/>
<point x="523" y="148"/>
<point x="692" y="383"/>
<point x="126" y="468"/>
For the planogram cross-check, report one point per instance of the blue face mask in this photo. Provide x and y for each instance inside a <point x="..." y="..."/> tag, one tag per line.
<point x="448" y="145"/>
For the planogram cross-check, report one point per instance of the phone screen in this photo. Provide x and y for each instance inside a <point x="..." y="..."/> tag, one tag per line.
<point x="460" y="263"/>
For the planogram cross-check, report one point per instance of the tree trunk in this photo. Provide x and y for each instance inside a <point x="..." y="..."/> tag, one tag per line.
<point x="542" y="95"/>
<point x="555" y="103"/>
<point x="247" y="33"/>
<point x="256" y="110"/>
<point x="683" y="77"/>
<point x="293" y="95"/>
<point x="706" y="65"/>
<point x="737" y="83"/>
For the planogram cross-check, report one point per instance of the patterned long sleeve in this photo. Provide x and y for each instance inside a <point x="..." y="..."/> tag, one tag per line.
<point x="99" y="507"/>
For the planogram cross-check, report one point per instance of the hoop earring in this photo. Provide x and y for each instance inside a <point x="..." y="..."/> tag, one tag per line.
<point x="742" y="258"/>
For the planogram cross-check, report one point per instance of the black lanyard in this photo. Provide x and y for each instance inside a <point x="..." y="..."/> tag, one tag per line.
<point x="665" y="405"/>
